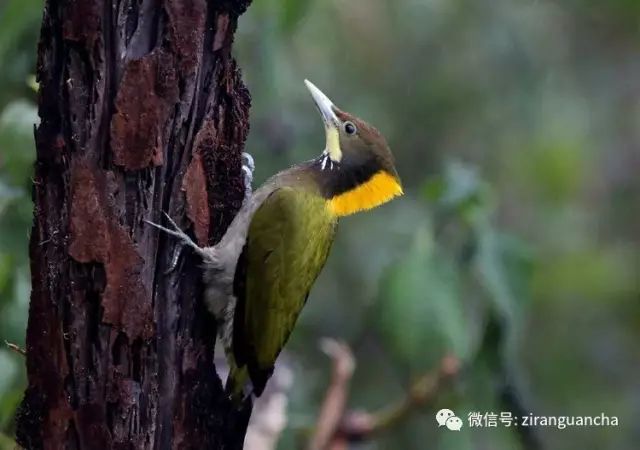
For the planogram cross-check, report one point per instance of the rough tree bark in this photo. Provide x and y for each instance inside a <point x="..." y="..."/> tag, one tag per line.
<point x="142" y="110"/>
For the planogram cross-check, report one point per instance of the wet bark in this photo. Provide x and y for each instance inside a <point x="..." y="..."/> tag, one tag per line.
<point x="142" y="110"/>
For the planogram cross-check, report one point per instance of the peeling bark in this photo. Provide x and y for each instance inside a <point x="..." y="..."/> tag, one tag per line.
<point x="142" y="110"/>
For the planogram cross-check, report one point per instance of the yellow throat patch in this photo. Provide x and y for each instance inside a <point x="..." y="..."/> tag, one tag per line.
<point x="379" y="189"/>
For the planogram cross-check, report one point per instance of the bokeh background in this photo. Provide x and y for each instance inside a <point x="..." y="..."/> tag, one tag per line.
<point x="516" y="129"/>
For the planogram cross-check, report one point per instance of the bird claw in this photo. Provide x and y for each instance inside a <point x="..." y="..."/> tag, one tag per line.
<point x="174" y="260"/>
<point x="248" y="167"/>
<point x="177" y="232"/>
<point x="183" y="240"/>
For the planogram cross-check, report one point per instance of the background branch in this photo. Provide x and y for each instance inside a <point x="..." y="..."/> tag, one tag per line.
<point x="335" y="429"/>
<point x="16" y="348"/>
<point x="337" y="395"/>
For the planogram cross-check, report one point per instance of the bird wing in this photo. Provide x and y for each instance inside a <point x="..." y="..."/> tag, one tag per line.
<point x="287" y="245"/>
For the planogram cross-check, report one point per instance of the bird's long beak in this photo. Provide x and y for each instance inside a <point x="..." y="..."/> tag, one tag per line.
<point x="325" y="106"/>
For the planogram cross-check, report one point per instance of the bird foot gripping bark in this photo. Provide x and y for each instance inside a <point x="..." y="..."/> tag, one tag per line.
<point x="248" y="167"/>
<point x="182" y="236"/>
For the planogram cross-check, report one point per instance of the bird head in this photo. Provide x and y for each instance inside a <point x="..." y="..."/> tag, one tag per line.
<point x="356" y="168"/>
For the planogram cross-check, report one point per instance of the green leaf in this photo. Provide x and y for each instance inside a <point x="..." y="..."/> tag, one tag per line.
<point x="459" y="192"/>
<point x="457" y="185"/>
<point x="434" y="189"/>
<point x="33" y="83"/>
<point x="421" y="315"/>
<point x="504" y="269"/>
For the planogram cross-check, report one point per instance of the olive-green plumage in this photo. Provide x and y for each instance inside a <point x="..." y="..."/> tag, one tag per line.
<point x="258" y="277"/>
<point x="287" y="245"/>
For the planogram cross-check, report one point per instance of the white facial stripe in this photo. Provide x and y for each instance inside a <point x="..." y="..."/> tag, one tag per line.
<point x="326" y="161"/>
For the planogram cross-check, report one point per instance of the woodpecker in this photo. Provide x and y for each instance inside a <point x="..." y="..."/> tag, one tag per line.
<point x="258" y="277"/>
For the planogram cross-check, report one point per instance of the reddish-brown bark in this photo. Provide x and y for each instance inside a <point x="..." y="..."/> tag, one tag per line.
<point x="142" y="110"/>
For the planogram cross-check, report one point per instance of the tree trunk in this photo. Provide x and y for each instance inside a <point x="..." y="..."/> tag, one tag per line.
<point x="142" y="110"/>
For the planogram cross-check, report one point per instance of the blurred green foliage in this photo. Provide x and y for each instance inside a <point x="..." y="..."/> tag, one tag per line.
<point x="19" y="27"/>
<point x="514" y="126"/>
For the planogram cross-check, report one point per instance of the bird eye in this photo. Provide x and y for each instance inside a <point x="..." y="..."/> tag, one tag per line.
<point x="349" y="128"/>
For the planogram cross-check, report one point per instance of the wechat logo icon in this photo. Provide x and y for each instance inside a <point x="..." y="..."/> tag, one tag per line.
<point x="447" y="418"/>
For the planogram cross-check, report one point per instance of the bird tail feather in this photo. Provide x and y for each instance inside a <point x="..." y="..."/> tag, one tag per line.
<point x="238" y="386"/>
